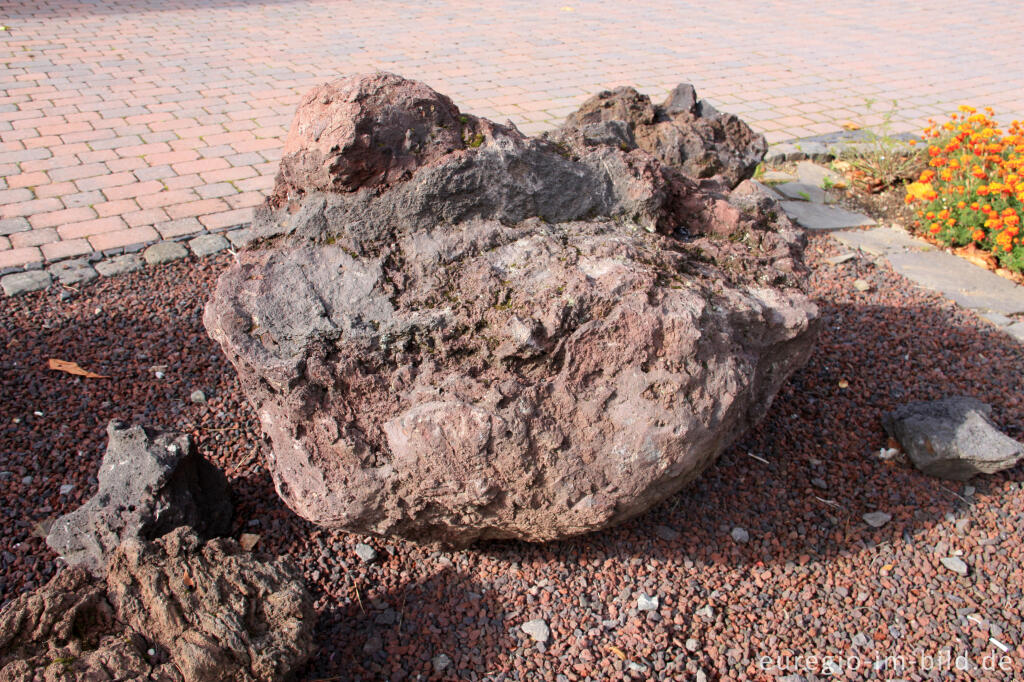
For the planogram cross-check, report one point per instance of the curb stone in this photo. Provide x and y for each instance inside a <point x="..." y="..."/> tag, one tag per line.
<point x="112" y="262"/>
<point x="164" y="252"/>
<point x="829" y="147"/>
<point x="23" y="282"/>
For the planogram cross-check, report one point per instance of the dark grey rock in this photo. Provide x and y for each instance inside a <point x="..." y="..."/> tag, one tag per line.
<point x="73" y="271"/>
<point x="24" y="282"/>
<point x="149" y="484"/>
<point x="164" y="252"/>
<point x="952" y="438"/>
<point x="119" y="265"/>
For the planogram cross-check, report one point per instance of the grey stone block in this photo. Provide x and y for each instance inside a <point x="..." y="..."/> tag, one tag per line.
<point x="819" y="217"/>
<point x="799" y="191"/>
<point x="73" y="271"/>
<point x="119" y="265"/>
<point x="164" y="252"/>
<point x="957" y="279"/>
<point x="881" y="241"/>
<point x="23" y="282"/>
<point x="208" y="244"/>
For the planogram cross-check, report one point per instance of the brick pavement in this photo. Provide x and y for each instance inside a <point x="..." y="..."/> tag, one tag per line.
<point x="129" y="121"/>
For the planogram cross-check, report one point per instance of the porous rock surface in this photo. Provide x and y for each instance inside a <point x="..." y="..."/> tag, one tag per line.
<point x="685" y="133"/>
<point x="173" y="610"/>
<point x="497" y="336"/>
<point x="952" y="438"/>
<point x="150" y="483"/>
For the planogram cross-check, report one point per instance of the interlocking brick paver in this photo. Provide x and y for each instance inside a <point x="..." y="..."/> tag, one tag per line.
<point x="66" y="248"/>
<point x="189" y="97"/>
<point x="113" y="240"/>
<point x="17" y="257"/>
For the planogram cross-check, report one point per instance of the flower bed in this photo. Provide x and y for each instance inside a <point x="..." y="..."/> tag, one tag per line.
<point x="973" y="193"/>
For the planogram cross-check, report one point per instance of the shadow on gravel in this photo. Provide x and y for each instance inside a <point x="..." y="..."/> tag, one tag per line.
<point x="398" y="633"/>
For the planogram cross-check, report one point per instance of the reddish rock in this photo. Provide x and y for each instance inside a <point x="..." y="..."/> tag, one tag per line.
<point x="685" y="133"/>
<point x="171" y="610"/>
<point x="522" y="338"/>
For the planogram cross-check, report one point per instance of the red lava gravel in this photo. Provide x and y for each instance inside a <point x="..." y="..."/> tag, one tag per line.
<point x="814" y="590"/>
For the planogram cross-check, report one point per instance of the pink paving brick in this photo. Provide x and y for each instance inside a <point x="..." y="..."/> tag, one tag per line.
<point x="66" y="248"/>
<point x="67" y="215"/>
<point x="17" y="257"/>
<point x="21" y="240"/>
<point x="159" y="88"/>
<point x="195" y="208"/>
<point x="219" y="221"/>
<point x="89" y="228"/>
<point x="113" y="240"/>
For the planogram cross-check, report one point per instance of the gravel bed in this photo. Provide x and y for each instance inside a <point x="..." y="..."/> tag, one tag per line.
<point x="766" y="555"/>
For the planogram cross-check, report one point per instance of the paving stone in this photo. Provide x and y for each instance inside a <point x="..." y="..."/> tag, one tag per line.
<point x="811" y="173"/>
<point x="207" y="244"/>
<point x="775" y="177"/>
<point x="800" y="191"/>
<point x="240" y="238"/>
<point x="1016" y="331"/>
<point x="23" y="282"/>
<point x="12" y="225"/>
<point x="957" y="279"/>
<point x="881" y="241"/>
<point x="841" y="258"/>
<point x="163" y="252"/>
<point x="73" y="271"/>
<point x="119" y="265"/>
<point x="997" y="319"/>
<point x="819" y="217"/>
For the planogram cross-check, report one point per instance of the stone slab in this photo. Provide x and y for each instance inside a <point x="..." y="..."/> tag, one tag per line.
<point x="23" y="282"/>
<point x="164" y="252"/>
<point x="800" y="191"/>
<point x="1016" y="331"/>
<point x="811" y="173"/>
<point x="881" y="241"/>
<point x="965" y="283"/>
<point x="775" y="177"/>
<point x="818" y="217"/>
<point x="73" y="271"/>
<point x="208" y="244"/>
<point x="119" y="265"/>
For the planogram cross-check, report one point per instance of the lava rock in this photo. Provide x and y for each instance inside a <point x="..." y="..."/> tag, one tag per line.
<point x="169" y="610"/>
<point x="683" y="132"/>
<point x="149" y="484"/>
<point x="513" y="339"/>
<point x="952" y="438"/>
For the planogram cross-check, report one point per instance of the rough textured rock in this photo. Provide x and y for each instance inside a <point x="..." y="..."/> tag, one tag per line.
<point x="149" y="484"/>
<point x="685" y="133"/>
<point x="952" y="438"/>
<point x="518" y="339"/>
<point x="215" y="611"/>
<point x="169" y="610"/>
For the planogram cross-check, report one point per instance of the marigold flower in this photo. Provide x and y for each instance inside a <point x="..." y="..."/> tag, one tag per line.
<point x="978" y="235"/>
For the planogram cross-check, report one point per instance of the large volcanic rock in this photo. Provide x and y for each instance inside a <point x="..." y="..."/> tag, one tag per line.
<point x="684" y="132"/>
<point x="171" y="610"/>
<point x="150" y="483"/>
<point x="450" y="337"/>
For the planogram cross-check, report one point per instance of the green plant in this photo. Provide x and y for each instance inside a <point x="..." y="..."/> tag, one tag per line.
<point x="882" y="160"/>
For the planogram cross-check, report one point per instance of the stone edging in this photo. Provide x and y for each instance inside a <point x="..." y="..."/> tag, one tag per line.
<point x="825" y="148"/>
<point x="113" y="262"/>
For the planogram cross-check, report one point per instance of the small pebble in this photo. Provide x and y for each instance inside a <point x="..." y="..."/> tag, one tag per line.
<point x="365" y="552"/>
<point x="692" y="644"/>
<point x="955" y="564"/>
<point x="877" y="519"/>
<point x="740" y="535"/>
<point x="666" y="533"/>
<point x="861" y="285"/>
<point x="537" y="629"/>
<point x="441" y="662"/>
<point x="645" y="603"/>
<point x="67" y="488"/>
<point x="197" y="397"/>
